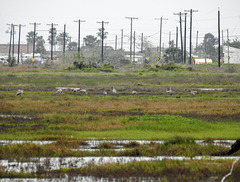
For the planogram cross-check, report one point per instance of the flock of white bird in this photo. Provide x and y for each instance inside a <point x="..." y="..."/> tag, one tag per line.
<point x="114" y="91"/>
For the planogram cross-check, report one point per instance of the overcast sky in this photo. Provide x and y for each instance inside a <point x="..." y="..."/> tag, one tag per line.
<point x="114" y="11"/>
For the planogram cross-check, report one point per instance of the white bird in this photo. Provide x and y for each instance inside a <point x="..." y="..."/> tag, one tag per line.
<point x="75" y="90"/>
<point x="114" y="90"/>
<point x="170" y="91"/>
<point x="193" y="92"/>
<point x="104" y="93"/>
<point x="59" y="91"/>
<point x="84" y="91"/>
<point x="19" y="92"/>
<point x="134" y="92"/>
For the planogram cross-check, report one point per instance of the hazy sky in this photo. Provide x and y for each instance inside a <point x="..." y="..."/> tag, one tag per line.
<point x="114" y="11"/>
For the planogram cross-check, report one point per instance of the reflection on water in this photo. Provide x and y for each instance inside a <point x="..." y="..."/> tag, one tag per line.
<point x="93" y="144"/>
<point x="51" y="163"/>
<point x="83" y="179"/>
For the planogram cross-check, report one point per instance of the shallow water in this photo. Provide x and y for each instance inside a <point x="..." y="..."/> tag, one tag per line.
<point x="51" y="163"/>
<point x="15" y="116"/>
<point x="10" y="142"/>
<point x="82" y="179"/>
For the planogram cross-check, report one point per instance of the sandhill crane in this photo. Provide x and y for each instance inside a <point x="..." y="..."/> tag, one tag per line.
<point x="19" y="92"/>
<point x="84" y="91"/>
<point x="193" y="92"/>
<point x="170" y="91"/>
<point x="114" y="90"/>
<point x="235" y="147"/>
<point x="134" y="92"/>
<point x="104" y="93"/>
<point x="75" y="90"/>
<point x="59" y="91"/>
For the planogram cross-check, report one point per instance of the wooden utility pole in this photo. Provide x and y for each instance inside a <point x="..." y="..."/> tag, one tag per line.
<point x="176" y="37"/>
<point x="64" y="39"/>
<point x="160" y="35"/>
<point x="190" y="48"/>
<point x="228" y="45"/>
<point x="131" y="19"/>
<point x="52" y="26"/>
<point x="197" y="43"/>
<point x="121" y="39"/>
<point x="115" y="42"/>
<point x="102" y="22"/>
<point x="181" y="36"/>
<point x="19" y="41"/>
<point x="79" y="32"/>
<point x="34" y="35"/>
<point x="219" y="38"/>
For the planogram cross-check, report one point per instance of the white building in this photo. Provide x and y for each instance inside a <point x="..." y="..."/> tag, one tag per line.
<point x="203" y="61"/>
<point x="233" y="53"/>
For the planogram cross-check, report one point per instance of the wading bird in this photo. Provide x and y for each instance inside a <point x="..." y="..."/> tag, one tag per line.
<point x="84" y="91"/>
<point x="134" y="92"/>
<point x="19" y="92"/>
<point x="59" y="91"/>
<point x="170" y="91"/>
<point x="75" y="90"/>
<point x="193" y="92"/>
<point x="104" y="93"/>
<point x="114" y="90"/>
<point x="235" y="147"/>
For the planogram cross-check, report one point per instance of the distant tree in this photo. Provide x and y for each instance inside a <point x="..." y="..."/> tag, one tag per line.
<point x="235" y="43"/>
<point x="209" y="43"/>
<point x="72" y="46"/>
<point x="40" y="45"/>
<point x="207" y="47"/>
<point x="172" y="54"/>
<point x="99" y="33"/>
<point x="90" y="41"/>
<point x="39" y="42"/>
<point x="30" y="37"/>
<point x="54" y="36"/>
<point x="60" y="38"/>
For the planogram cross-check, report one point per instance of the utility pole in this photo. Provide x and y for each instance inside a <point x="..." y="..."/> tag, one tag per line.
<point x="52" y="26"/>
<point x="64" y="39"/>
<point x="190" y="48"/>
<point x="115" y="42"/>
<point x="34" y="36"/>
<point x="19" y="39"/>
<point x="102" y="37"/>
<point x="219" y="38"/>
<point x="176" y="37"/>
<point x="228" y="45"/>
<point x="185" y="39"/>
<point x="160" y="35"/>
<point x="142" y="43"/>
<point x="134" y="45"/>
<point x="181" y="36"/>
<point x="122" y="39"/>
<point x="131" y="18"/>
<point x="169" y="42"/>
<point x="197" y="43"/>
<point x="10" y="41"/>
<point x="13" y="40"/>
<point x="79" y="32"/>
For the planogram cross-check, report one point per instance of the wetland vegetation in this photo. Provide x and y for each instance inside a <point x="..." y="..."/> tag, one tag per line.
<point x="152" y="114"/>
